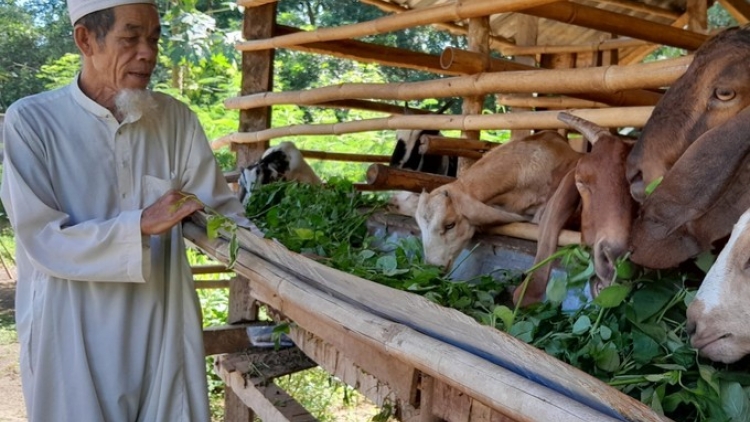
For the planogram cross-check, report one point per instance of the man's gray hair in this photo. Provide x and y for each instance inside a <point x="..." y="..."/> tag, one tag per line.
<point x="99" y="22"/>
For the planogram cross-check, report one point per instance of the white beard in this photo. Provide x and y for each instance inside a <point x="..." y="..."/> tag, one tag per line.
<point x="135" y="104"/>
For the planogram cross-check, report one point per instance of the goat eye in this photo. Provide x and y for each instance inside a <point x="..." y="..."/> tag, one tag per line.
<point x="450" y="226"/>
<point x="724" y="94"/>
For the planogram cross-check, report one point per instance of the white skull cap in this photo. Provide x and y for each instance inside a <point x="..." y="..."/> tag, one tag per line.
<point x="80" y="8"/>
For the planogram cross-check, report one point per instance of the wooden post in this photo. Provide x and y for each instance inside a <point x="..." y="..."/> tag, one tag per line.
<point x="479" y="33"/>
<point x="257" y="76"/>
<point x="697" y="11"/>
<point x="526" y="34"/>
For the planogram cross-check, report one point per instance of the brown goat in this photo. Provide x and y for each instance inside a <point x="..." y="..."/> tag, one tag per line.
<point x="697" y="139"/>
<point x="511" y="182"/>
<point x="598" y="186"/>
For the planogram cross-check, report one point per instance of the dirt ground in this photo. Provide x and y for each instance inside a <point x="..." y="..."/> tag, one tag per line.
<point x="11" y="405"/>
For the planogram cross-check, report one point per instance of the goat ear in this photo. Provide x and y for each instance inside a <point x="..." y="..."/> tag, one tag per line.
<point x="691" y="187"/>
<point x="558" y="210"/>
<point x="700" y="175"/>
<point x="480" y="214"/>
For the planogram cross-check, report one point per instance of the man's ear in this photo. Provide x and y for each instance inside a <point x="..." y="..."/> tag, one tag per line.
<point x="84" y="40"/>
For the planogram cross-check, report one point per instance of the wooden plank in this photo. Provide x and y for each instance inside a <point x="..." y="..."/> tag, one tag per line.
<point x="339" y="156"/>
<point x="260" y="366"/>
<point x="211" y="284"/>
<point x="420" y="314"/>
<point x="242" y="306"/>
<point x="225" y="339"/>
<point x="209" y="269"/>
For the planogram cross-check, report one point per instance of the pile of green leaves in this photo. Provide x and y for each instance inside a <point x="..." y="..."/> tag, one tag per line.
<point x="632" y="336"/>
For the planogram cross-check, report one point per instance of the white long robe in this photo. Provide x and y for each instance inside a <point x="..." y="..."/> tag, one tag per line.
<point x="108" y="320"/>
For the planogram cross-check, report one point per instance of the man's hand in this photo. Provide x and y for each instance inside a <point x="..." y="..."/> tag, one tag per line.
<point x="167" y="211"/>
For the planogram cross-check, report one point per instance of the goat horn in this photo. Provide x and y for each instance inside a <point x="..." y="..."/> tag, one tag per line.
<point x="590" y="130"/>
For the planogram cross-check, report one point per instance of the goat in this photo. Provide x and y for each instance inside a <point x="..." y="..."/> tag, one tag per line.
<point x="697" y="139"/>
<point x="406" y="153"/>
<point x="597" y="186"/>
<point x="717" y="317"/>
<point x="281" y="162"/>
<point x="510" y="183"/>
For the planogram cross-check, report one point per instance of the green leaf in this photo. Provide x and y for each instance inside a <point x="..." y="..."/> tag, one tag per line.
<point x="649" y="300"/>
<point x="523" y="330"/>
<point x="625" y="269"/>
<point x="304" y="234"/>
<point x="652" y="186"/>
<point x="644" y="348"/>
<point x="608" y="359"/>
<point x="612" y="296"/>
<point x="605" y="332"/>
<point x="734" y="401"/>
<point x="213" y="224"/>
<point x="504" y="314"/>
<point x="705" y="260"/>
<point x="557" y="289"/>
<point x="582" y="325"/>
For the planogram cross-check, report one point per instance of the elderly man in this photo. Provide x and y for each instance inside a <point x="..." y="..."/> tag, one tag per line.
<point x="95" y="182"/>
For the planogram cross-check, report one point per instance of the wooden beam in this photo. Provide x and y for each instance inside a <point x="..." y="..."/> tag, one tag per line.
<point x="371" y="106"/>
<point x="739" y="9"/>
<point x="254" y="3"/>
<point x="605" y="117"/>
<point x="211" y="284"/>
<point x="575" y="48"/>
<point x="209" y="269"/>
<point x="637" y="6"/>
<point x="390" y="178"/>
<point x="614" y="80"/>
<point x="371" y="53"/>
<point x="637" y="54"/>
<point x="225" y="339"/>
<point x="442" y="12"/>
<point x="617" y="23"/>
<point x="470" y="62"/>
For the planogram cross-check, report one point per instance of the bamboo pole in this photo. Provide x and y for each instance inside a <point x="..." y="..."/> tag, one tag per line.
<point x="608" y="79"/>
<point x="471" y="62"/>
<point x="613" y="44"/>
<point x="697" y="11"/>
<point x="557" y="102"/>
<point x="496" y="42"/>
<point x="602" y="20"/>
<point x="605" y="117"/>
<point x="372" y="106"/>
<point x="338" y="156"/>
<point x="442" y="12"/>
<point x="530" y="231"/>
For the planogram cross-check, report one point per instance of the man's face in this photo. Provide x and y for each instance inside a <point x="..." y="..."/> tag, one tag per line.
<point x="127" y="56"/>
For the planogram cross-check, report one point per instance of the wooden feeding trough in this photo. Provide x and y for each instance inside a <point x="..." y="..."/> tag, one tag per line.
<point x="430" y="363"/>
